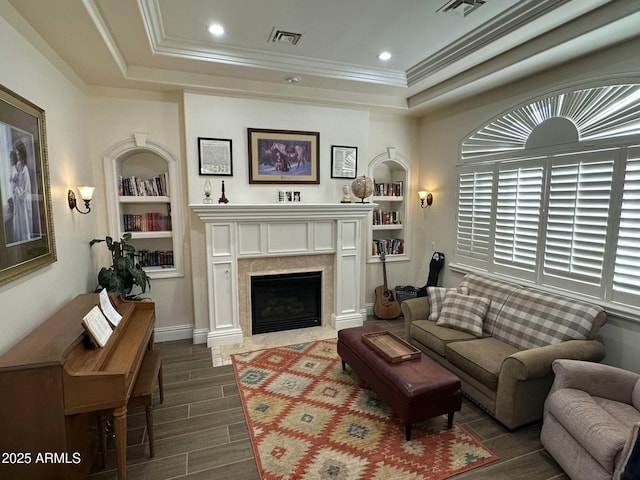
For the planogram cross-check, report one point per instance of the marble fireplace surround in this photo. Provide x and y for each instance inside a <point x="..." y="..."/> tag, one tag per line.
<point x="261" y="239"/>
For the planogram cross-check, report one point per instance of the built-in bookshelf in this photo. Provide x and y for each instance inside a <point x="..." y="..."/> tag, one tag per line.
<point x="389" y="231"/>
<point x="144" y="198"/>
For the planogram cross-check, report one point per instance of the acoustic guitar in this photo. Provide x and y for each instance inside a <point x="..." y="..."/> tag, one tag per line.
<point x="386" y="306"/>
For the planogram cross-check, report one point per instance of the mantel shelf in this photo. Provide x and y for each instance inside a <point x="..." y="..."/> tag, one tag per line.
<point x="281" y="211"/>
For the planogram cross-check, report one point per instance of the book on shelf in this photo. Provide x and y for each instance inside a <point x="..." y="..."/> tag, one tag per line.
<point x="390" y="246"/>
<point x="150" y="187"/>
<point x="382" y="217"/>
<point x="393" y="189"/>
<point x="155" y="258"/>
<point x="97" y="327"/>
<point x="146" y="222"/>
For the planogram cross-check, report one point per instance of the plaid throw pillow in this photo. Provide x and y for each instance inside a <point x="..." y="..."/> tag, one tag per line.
<point x="436" y="299"/>
<point x="464" y="312"/>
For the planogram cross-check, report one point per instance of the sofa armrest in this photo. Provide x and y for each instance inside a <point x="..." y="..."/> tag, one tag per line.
<point x="597" y="379"/>
<point x="537" y="362"/>
<point x="414" y="309"/>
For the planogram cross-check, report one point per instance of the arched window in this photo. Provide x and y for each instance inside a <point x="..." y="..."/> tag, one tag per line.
<point x="549" y="193"/>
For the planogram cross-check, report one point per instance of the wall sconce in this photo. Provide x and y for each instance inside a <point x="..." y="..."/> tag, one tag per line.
<point x="85" y="193"/>
<point x="426" y="199"/>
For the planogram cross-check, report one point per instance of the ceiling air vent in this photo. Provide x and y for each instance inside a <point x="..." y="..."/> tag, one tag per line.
<point x="461" y="8"/>
<point x="281" y="36"/>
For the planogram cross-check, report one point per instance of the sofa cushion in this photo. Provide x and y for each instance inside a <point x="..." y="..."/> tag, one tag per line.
<point x="595" y="429"/>
<point x="497" y="291"/>
<point x="463" y="312"/>
<point x="481" y="358"/>
<point x="436" y="299"/>
<point x="531" y="318"/>
<point x="436" y="338"/>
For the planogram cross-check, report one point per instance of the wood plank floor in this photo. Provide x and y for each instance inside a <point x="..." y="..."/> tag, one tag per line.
<point x="201" y="433"/>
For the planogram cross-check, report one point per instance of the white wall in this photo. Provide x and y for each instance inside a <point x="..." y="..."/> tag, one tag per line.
<point x="225" y="117"/>
<point x="442" y="131"/>
<point x="26" y="302"/>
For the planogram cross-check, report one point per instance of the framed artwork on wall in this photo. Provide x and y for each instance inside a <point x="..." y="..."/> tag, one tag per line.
<point x="283" y="156"/>
<point x="344" y="161"/>
<point x="215" y="157"/>
<point x="26" y="234"/>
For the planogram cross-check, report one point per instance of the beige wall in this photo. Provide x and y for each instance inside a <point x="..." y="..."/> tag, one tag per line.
<point x="115" y="116"/>
<point x="440" y="136"/>
<point x="26" y="302"/>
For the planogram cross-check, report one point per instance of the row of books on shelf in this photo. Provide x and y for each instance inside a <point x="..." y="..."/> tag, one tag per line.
<point x="382" y="217"/>
<point x="146" y="222"/>
<point x="154" y="258"/>
<point x="391" y="246"/>
<point x="395" y="189"/>
<point x="138" y="187"/>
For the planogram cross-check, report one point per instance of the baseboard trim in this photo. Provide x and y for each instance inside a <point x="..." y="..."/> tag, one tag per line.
<point x="177" y="332"/>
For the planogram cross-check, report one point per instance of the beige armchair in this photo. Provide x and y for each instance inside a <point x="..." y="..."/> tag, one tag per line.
<point x="591" y="421"/>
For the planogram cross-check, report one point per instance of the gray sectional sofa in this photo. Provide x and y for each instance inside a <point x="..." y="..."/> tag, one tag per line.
<point x="501" y="339"/>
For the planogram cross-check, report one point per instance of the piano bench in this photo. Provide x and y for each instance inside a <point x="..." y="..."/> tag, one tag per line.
<point x="144" y="387"/>
<point x="142" y="395"/>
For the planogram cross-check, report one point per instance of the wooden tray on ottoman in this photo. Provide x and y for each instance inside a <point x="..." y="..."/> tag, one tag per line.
<point x="390" y="346"/>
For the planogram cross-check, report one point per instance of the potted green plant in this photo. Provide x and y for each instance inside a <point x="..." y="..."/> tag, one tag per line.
<point x="124" y="273"/>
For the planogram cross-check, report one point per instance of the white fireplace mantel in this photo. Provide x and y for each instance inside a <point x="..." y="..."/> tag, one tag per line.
<point x="243" y="231"/>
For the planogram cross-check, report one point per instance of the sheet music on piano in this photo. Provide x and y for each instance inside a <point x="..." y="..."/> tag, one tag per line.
<point x="97" y="326"/>
<point x="108" y="309"/>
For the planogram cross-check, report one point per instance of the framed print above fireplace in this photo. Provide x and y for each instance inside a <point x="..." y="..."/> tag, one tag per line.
<point x="283" y="156"/>
<point x="26" y="233"/>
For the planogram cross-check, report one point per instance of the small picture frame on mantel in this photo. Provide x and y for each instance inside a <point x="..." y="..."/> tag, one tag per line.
<point x="344" y="161"/>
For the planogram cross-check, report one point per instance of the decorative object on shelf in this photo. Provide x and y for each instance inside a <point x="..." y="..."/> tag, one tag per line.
<point x="86" y="193"/>
<point x="207" y="193"/>
<point x="215" y="157"/>
<point x="346" y="194"/>
<point x="124" y="273"/>
<point x="344" y="161"/>
<point x="25" y="214"/>
<point x="426" y="199"/>
<point x="283" y="156"/>
<point x="223" y="199"/>
<point x="362" y="187"/>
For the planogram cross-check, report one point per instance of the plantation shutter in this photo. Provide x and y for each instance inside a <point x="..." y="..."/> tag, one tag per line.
<point x="473" y="236"/>
<point x="578" y="210"/>
<point x="626" y="277"/>
<point x="518" y="215"/>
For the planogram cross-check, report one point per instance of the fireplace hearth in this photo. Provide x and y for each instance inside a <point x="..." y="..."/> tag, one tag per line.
<point x="286" y="301"/>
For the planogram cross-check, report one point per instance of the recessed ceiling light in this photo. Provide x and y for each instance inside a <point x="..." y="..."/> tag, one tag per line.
<point x="216" y="29"/>
<point x="384" y="56"/>
<point x="293" y="80"/>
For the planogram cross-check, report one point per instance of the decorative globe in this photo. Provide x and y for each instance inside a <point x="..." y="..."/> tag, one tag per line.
<point x="362" y="187"/>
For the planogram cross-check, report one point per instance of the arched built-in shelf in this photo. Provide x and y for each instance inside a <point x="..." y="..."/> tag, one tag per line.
<point x="154" y="219"/>
<point x="390" y="226"/>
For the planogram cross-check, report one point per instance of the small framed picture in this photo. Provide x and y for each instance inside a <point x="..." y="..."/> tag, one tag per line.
<point x="344" y="161"/>
<point x="214" y="156"/>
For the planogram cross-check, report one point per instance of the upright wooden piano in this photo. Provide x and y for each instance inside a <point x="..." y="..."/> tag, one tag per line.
<point x="52" y="383"/>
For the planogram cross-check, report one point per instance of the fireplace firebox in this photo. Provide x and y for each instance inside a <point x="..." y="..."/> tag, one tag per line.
<point x="286" y="301"/>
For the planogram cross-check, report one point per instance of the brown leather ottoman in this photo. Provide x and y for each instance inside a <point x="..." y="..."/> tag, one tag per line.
<point x="415" y="389"/>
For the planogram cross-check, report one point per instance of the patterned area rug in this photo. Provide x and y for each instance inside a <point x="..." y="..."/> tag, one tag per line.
<point x="310" y="420"/>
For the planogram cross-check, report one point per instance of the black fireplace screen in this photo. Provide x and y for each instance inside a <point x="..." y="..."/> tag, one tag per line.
<point x="286" y="301"/>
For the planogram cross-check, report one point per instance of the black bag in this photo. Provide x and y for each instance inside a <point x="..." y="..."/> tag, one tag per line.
<point x="436" y="264"/>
